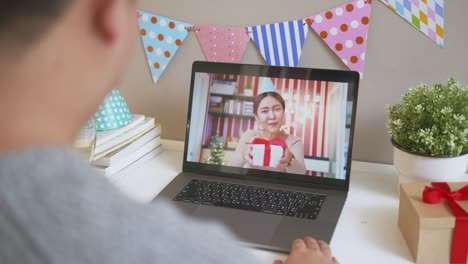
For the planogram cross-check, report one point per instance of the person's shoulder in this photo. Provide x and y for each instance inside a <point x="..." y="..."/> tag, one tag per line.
<point x="292" y="140"/>
<point x="61" y="169"/>
<point x="33" y="160"/>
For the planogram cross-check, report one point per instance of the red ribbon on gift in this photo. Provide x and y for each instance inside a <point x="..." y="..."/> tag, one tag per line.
<point x="440" y="193"/>
<point x="268" y="143"/>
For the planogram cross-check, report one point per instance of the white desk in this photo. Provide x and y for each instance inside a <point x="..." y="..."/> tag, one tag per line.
<point x="367" y="231"/>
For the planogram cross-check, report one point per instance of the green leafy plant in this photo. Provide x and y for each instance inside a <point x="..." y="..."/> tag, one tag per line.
<point x="217" y="150"/>
<point x="431" y="120"/>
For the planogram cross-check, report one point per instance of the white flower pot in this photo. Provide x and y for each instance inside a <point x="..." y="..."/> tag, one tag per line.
<point x="413" y="167"/>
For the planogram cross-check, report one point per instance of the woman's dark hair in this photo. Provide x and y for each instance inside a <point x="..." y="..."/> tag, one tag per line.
<point x="260" y="97"/>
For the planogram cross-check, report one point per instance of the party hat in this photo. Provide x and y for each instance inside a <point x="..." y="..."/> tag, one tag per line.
<point x="266" y="86"/>
<point x="114" y="113"/>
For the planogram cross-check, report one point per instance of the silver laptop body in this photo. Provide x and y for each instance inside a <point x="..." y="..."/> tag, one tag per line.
<point x="324" y="103"/>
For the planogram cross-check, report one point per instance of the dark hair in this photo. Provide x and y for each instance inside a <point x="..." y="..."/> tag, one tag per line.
<point x="23" y="22"/>
<point x="261" y="96"/>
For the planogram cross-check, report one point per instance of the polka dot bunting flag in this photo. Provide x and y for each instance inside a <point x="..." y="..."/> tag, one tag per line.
<point x="344" y="29"/>
<point x="222" y="44"/>
<point x="114" y="113"/>
<point x="161" y="38"/>
<point x="425" y="15"/>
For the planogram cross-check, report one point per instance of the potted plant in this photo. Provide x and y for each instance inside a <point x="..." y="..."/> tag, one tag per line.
<point x="429" y="133"/>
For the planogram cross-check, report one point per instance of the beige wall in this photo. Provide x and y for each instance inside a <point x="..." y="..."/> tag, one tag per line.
<point x="398" y="56"/>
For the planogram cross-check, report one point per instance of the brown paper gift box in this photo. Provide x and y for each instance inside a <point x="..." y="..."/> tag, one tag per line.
<point x="427" y="228"/>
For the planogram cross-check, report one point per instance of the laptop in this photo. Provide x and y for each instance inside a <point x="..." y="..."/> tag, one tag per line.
<point x="267" y="192"/>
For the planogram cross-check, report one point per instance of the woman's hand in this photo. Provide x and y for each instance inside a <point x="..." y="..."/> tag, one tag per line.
<point x="247" y="154"/>
<point x="285" y="160"/>
<point x="309" y="251"/>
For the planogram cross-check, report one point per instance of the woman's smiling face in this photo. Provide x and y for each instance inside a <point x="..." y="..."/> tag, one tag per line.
<point x="270" y="114"/>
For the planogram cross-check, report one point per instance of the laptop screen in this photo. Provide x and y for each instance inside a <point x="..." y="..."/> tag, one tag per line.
<point x="290" y="124"/>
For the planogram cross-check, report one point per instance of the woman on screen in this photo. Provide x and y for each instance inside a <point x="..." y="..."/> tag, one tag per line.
<point x="269" y="110"/>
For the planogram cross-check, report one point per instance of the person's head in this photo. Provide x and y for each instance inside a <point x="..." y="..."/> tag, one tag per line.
<point x="269" y="111"/>
<point x="61" y="57"/>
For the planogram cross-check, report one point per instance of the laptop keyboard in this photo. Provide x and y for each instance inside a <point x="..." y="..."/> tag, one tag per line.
<point x="258" y="199"/>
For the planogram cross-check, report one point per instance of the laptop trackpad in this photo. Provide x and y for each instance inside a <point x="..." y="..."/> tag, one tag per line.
<point x="250" y="226"/>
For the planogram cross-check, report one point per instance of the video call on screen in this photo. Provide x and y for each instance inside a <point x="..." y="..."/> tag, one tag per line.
<point x="318" y="112"/>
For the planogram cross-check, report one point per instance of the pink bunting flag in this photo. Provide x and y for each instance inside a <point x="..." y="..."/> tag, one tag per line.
<point x="221" y="43"/>
<point x="344" y="29"/>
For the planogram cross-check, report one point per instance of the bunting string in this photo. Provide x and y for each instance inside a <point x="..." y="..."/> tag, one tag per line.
<point x="344" y="29"/>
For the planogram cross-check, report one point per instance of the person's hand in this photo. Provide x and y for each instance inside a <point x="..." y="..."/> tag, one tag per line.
<point x="247" y="154"/>
<point x="309" y="251"/>
<point x="285" y="160"/>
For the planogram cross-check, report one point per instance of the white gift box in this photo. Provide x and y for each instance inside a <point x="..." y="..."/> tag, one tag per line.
<point x="260" y="155"/>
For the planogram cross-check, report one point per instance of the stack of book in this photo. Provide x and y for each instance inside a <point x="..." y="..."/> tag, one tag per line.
<point x="237" y="107"/>
<point x="118" y="150"/>
<point x="232" y="107"/>
<point x="248" y="108"/>
<point x="224" y="87"/>
<point x="216" y="104"/>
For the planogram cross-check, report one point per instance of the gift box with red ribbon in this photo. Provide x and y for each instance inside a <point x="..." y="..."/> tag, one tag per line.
<point x="433" y="219"/>
<point x="267" y="153"/>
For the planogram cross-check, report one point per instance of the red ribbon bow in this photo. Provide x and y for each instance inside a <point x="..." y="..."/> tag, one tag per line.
<point x="440" y="193"/>
<point x="268" y="143"/>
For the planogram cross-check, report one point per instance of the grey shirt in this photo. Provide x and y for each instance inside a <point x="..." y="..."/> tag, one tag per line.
<point x="55" y="209"/>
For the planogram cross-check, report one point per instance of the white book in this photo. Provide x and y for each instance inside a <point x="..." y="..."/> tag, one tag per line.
<point x="142" y="151"/>
<point x="106" y="135"/>
<point x="124" y="138"/>
<point x="120" y="153"/>
<point x="219" y="88"/>
<point x="137" y="163"/>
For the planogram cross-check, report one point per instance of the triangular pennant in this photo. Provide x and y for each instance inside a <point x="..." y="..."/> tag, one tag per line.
<point x="221" y="43"/>
<point x="344" y="29"/>
<point x="425" y="15"/>
<point x="161" y="38"/>
<point x="280" y="43"/>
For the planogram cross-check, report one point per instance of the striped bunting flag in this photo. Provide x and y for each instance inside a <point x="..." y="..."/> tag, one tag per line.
<point x="280" y="43"/>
